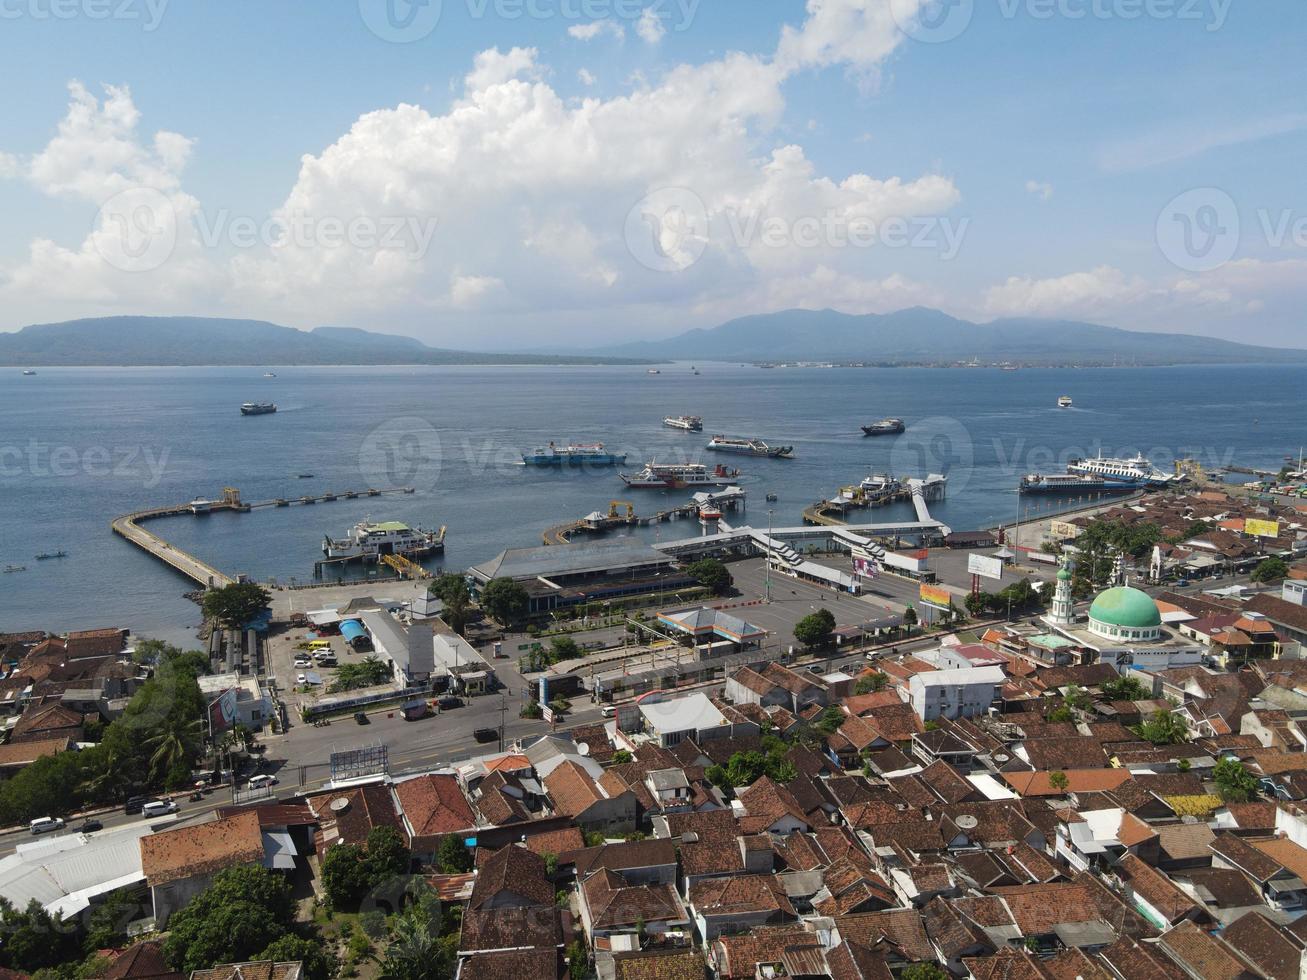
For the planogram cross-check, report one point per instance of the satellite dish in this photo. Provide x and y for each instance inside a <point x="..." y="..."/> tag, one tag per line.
<point x="1001" y="757"/>
<point x="339" y="805"/>
<point x="689" y="837"/>
<point x="967" y="822"/>
<point x="583" y="749"/>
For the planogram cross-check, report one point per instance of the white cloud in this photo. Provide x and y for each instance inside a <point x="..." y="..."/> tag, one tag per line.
<point x="1040" y="189"/>
<point x="650" y="26"/>
<point x="494" y="67"/>
<point x="592" y="30"/>
<point x="469" y="291"/>
<point x="586" y="76"/>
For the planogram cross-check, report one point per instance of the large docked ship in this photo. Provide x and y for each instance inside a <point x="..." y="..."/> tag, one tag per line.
<point x="367" y="540"/>
<point x="690" y="423"/>
<point x="884" y="427"/>
<point x="1138" y="469"/>
<point x="678" y="476"/>
<point x="749" y="447"/>
<point x="258" y="408"/>
<point x="573" y="455"/>
<point x="1072" y="483"/>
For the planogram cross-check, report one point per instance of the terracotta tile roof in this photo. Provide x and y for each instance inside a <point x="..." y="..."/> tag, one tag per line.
<point x="510" y="928"/>
<point x="911" y="831"/>
<point x="539" y="964"/>
<point x="902" y="928"/>
<point x="740" y="895"/>
<point x="1266" y="945"/>
<point x="1006" y="964"/>
<point x="367" y="807"/>
<point x="255" y="970"/>
<point x="1286" y="853"/>
<point x="572" y="790"/>
<point x="1227" y="888"/>
<point x="1202" y="954"/>
<point x="35" y="722"/>
<point x="1079" y="752"/>
<point x="1129" y="958"/>
<point x="1036" y="909"/>
<point x="1155" y="888"/>
<point x="946" y="782"/>
<point x="1257" y="864"/>
<point x="512" y="871"/>
<point x="709" y="825"/>
<point x="1185" y="841"/>
<point x="23" y="753"/>
<point x="1253" y="816"/>
<point x="738" y="957"/>
<point x="434" y="805"/>
<point x="1078" y="781"/>
<point x="895" y="722"/>
<point x="767" y="802"/>
<point x="860" y="704"/>
<point x="1074" y="964"/>
<point x="622" y="856"/>
<point x="681" y="964"/>
<point x="952" y="933"/>
<point x="615" y="904"/>
<point x="854" y="886"/>
<point x="201" y="849"/>
<point x="142" y="961"/>
<point x="851" y="961"/>
<point x="555" y="841"/>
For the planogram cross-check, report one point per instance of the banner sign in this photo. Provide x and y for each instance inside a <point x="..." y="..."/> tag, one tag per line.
<point x="935" y="595"/>
<point x="864" y="564"/>
<point x="222" y="712"/>
<point x="986" y="566"/>
<point x="1262" y="529"/>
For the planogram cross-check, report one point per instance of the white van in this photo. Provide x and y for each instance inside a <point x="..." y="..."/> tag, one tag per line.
<point x="158" y="808"/>
<point x="262" y="780"/>
<point x="43" y="825"/>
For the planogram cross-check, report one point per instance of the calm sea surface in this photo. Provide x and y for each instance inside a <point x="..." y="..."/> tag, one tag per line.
<point x="81" y="446"/>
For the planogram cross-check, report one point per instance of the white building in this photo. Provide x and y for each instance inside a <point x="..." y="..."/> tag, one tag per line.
<point x="410" y="651"/>
<point x="235" y="700"/>
<point x="962" y="692"/>
<point x="670" y="721"/>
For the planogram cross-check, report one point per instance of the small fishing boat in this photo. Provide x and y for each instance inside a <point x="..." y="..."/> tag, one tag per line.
<point x="45" y="555"/>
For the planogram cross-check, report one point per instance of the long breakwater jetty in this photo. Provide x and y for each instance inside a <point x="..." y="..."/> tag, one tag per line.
<point x="129" y="527"/>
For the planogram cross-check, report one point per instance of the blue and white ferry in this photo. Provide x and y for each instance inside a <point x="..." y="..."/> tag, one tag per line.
<point x="573" y="455"/>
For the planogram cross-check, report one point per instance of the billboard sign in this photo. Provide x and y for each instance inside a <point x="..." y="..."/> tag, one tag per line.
<point x="864" y="564"/>
<point x="986" y="566"/>
<point x="360" y="762"/>
<point x="222" y="712"/>
<point x="935" y="595"/>
<point x="1262" y="529"/>
<point x="1064" y="530"/>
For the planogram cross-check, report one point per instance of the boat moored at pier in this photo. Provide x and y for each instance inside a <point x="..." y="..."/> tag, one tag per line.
<point x="677" y="476"/>
<point x="369" y="540"/>
<point x="1073" y="483"/>
<point x="1137" y="469"/>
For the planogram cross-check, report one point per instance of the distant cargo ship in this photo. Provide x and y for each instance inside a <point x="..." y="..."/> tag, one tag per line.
<point x="677" y="476"/>
<point x="1052" y="483"/>
<point x="690" y="423"/>
<point x="749" y="447"/>
<point x="885" y="427"/>
<point x="366" y="540"/>
<point x="574" y="455"/>
<point x="258" y="408"/>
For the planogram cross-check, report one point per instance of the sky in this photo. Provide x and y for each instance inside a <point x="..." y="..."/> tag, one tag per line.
<point x="521" y="174"/>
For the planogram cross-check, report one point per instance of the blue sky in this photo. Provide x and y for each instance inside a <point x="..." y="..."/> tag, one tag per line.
<point x="1121" y="161"/>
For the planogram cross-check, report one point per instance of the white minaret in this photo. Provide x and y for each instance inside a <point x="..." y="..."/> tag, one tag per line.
<point x="1063" y="609"/>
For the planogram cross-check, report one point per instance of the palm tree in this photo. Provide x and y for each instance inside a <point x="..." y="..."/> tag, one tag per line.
<point x="414" y="954"/>
<point x="170" y="746"/>
<point x="458" y="606"/>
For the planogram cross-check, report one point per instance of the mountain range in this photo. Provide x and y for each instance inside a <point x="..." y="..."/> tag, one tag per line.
<point x="920" y="334"/>
<point x="916" y="335"/>
<point x="189" y="340"/>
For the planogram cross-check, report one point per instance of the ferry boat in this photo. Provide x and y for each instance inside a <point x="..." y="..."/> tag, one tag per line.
<point x="15" y="568"/>
<point x="690" y="423"/>
<point x="877" y="485"/>
<point x="654" y="371"/>
<point x="28" y="373"/>
<point x="749" y="447"/>
<point x="574" y="455"/>
<point x="367" y="540"/>
<point x="885" y="427"/>
<point x="269" y="374"/>
<point x="1070" y="483"/>
<point x="678" y="476"/>
<point x="45" y="555"/>
<point x="1136" y="470"/>
<point x="258" y="408"/>
<point x="1064" y="402"/>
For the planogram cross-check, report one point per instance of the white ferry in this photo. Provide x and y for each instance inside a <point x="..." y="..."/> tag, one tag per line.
<point x="677" y="476"/>
<point x="749" y="447"/>
<point x="366" y="540"/>
<point x="690" y="423"/>
<point x="1138" y="469"/>
<point x="1064" y="402"/>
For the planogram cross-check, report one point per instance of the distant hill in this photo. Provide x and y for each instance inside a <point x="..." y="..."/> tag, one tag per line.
<point x="201" y="341"/>
<point x="925" y="335"/>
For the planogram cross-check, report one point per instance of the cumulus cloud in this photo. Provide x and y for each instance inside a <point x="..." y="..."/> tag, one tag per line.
<point x="1040" y="189"/>
<point x="586" y="76"/>
<point x="469" y="291"/>
<point x="494" y="67"/>
<point x="592" y="30"/>
<point x="650" y="26"/>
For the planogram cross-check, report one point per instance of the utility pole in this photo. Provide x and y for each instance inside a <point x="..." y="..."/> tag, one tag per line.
<point x="503" y="709"/>
<point x="767" y="568"/>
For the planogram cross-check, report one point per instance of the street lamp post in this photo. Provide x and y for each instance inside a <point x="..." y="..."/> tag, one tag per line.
<point x="767" y="567"/>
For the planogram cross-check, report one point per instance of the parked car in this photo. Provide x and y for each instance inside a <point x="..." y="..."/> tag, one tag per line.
<point x="261" y="780"/>
<point x="301" y="679"/>
<point x="303" y="662"/>
<point x="450" y="701"/>
<point x="43" y="825"/>
<point x="159" y="808"/>
<point x="134" y="804"/>
<point x="486" y="734"/>
<point x="361" y="717"/>
<point x="90" y="826"/>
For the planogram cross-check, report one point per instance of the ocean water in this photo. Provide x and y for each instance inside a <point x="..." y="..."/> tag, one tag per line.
<point x="81" y="446"/>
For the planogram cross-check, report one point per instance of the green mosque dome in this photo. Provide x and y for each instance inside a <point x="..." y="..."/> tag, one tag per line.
<point x="1126" y="607"/>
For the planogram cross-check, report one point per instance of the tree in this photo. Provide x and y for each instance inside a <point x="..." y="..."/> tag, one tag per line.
<point x="504" y="600"/>
<point x="344" y="876"/>
<point x="1163" y="728"/>
<point x="34" y="939"/>
<point x="244" y="911"/>
<point x="622" y="756"/>
<point x="830" y="720"/>
<point x="368" y="672"/>
<point x="712" y="574"/>
<point x="815" y="628"/>
<point x="452" y="856"/>
<point x="563" y="648"/>
<point x="1126" y="689"/>
<point x="1270" y="570"/>
<point x="1058" y="780"/>
<point x="910" y="618"/>
<point x="978" y="602"/>
<point x="871" y="683"/>
<point x="387" y="856"/>
<point x="924" y="971"/>
<point x="317" y="960"/>
<point x="415" y="953"/>
<point x="1234" y="782"/>
<point x="232" y="606"/>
